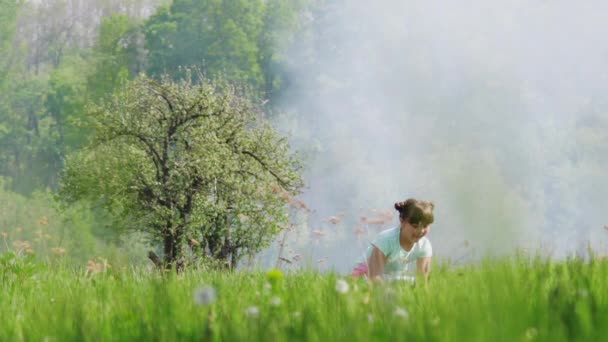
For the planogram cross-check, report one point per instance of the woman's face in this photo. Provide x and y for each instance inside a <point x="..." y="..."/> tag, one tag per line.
<point x="414" y="232"/>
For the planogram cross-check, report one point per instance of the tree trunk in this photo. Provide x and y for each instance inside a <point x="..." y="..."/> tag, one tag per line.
<point x="172" y="248"/>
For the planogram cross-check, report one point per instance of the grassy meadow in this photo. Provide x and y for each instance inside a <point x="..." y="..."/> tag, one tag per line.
<point x="516" y="299"/>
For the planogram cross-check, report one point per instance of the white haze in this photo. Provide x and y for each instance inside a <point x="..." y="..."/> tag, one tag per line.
<point x="496" y="111"/>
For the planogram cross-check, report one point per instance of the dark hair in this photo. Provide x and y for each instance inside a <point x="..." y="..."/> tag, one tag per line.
<point x="416" y="212"/>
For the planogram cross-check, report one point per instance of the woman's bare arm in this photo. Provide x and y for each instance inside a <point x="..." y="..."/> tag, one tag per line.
<point x="376" y="263"/>
<point x="424" y="267"/>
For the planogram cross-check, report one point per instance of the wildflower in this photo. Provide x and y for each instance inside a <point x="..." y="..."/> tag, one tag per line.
<point x="22" y="245"/>
<point x="205" y="295"/>
<point x="58" y="251"/>
<point x="401" y="312"/>
<point x="252" y="312"/>
<point x="284" y="195"/>
<point x="303" y="205"/>
<point x="360" y="232"/>
<point x="4" y="235"/>
<point x="334" y="219"/>
<point x="531" y="333"/>
<point x="318" y="233"/>
<point x="99" y="266"/>
<point x="275" y="301"/>
<point x="274" y="276"/>
<point x="342" y="286"/>
<point x="43" y="221"/>
<point x="19" y="229"/>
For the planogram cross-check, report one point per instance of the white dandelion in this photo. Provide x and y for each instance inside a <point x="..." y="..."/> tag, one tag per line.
<point x="531" y="333"/>
<point x="252" y="312"/>
<point x="342" y="286"/>
<point x="401" y="312"/>
<point x="205" y="295"/>
<point x="275" y="301"/>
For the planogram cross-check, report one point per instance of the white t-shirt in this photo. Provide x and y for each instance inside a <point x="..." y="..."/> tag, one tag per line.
<point x="399" y="261"/>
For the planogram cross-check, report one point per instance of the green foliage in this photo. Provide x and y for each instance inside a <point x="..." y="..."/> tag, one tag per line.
<point x="515" y="299"/>
<point x="29" y="153"/>
<point x="65" y="102"/>
<point x="8" y="16"/>
<point x="116" y="56"/>
<point x="236" y="39"/>
<point x="15" y="266"/>
<point x="187" y="163"/>
<point x="35" y="227"/>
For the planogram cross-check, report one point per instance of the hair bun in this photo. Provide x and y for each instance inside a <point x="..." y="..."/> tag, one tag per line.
<point x="399" y="206"/>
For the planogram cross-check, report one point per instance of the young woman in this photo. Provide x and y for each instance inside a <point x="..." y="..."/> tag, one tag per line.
<point x="393" y="252"/>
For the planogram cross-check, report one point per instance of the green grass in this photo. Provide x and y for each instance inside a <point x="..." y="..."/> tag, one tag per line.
<point x="515" y="299"/>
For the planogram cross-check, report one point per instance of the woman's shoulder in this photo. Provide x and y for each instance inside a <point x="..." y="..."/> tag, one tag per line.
<point x="388" y="234"/>
<point x="387" y="239"/>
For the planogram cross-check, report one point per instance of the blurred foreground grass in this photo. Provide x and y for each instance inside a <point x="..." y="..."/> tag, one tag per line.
<point x="516" y="299"/>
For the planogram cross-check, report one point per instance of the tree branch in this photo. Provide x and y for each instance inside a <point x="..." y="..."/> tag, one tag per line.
<point x="283" y="183"/>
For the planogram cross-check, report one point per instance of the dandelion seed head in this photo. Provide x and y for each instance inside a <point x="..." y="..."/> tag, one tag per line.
<point x="401" y="312"/>
<point x="252" y="312"/>
<point x="342" y="286"/>
<point x="205" y="295"/>
<point x="275" y="301"/>
<point x="531" y="333"/>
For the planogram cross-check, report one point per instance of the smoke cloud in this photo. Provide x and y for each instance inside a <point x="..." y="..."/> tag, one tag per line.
<point x="495" y="111"/>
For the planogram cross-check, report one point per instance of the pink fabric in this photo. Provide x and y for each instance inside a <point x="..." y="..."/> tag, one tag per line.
<point x="360" y="270"/>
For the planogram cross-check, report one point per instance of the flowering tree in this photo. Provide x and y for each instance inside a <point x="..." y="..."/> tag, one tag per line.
<point x="190" y="163"/>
